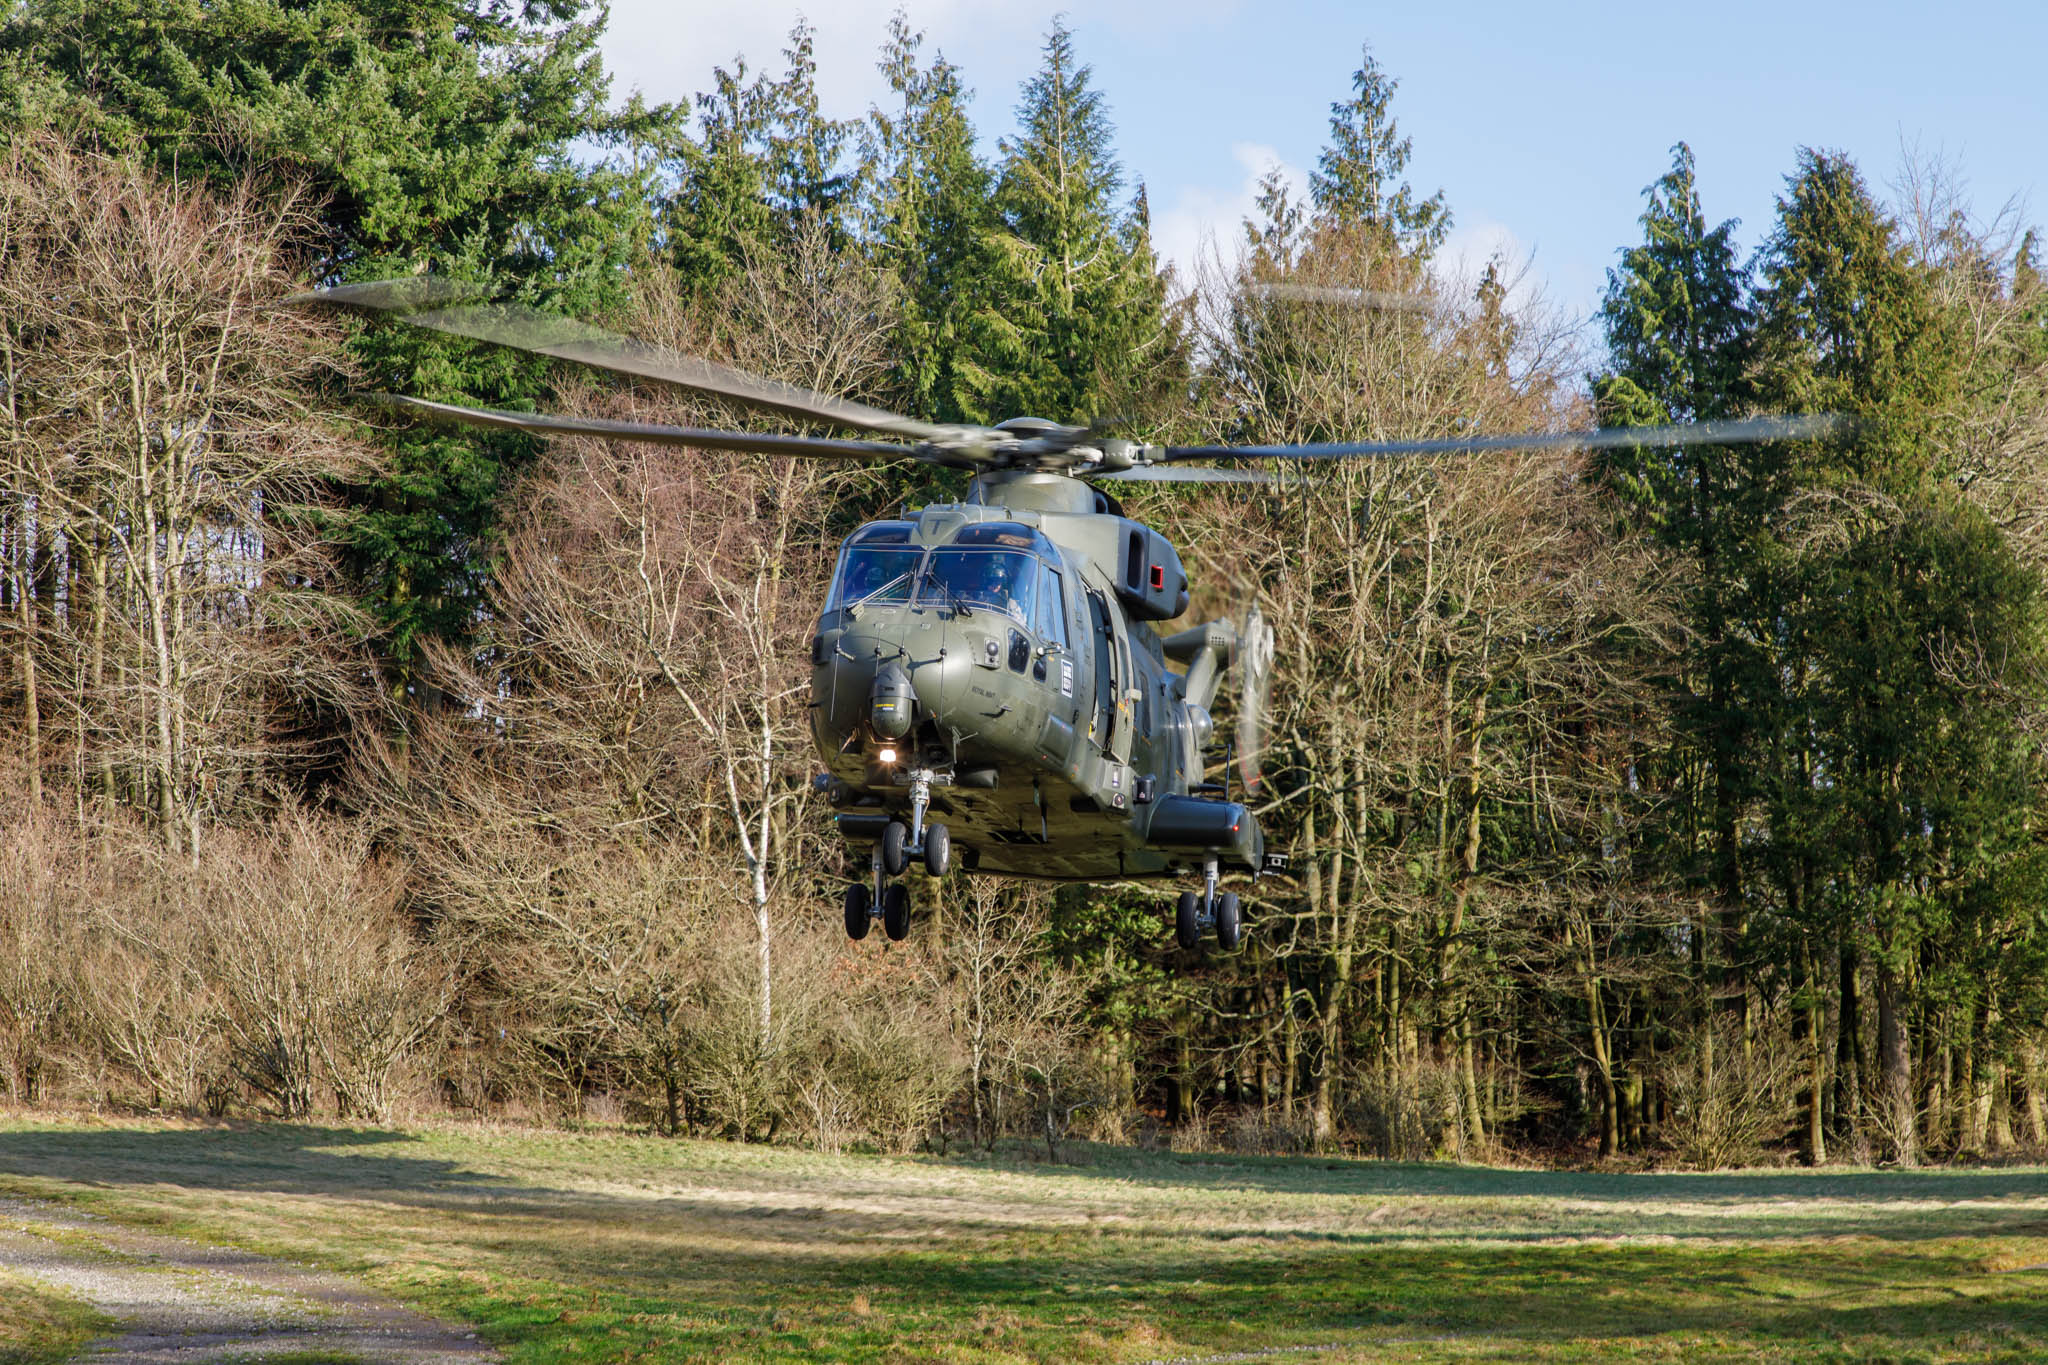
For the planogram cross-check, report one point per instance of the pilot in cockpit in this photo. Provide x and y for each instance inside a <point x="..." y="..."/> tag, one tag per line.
<point x="998" y="585"/>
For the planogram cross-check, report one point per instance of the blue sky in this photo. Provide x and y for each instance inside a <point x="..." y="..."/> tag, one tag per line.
<point x="1542" y="123"/>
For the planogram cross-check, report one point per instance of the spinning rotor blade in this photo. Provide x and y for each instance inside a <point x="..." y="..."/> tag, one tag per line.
<point x="1254" y="664"/>
<point x="1740" y="432"/>
<point x="437" y="305"/>
<point x="1367" y="298"/>
<point x="545" y="425"/>
<point x="1155" y="474"/>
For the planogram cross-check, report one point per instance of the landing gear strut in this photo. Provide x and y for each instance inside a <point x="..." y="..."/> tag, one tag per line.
<point x="890" y="902"/>
<point x="1192" y="913"/>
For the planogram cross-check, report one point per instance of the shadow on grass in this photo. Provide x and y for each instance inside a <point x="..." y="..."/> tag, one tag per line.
<point x="1346" y="1176"/>
<point x="836" y="1205"/>
<point x="266" y="1158"/>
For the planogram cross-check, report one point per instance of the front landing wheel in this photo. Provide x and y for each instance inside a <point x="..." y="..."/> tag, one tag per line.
<point x="1187" y="920"/>
<point x="858" y="907"/>
<point x="938" y="850"/>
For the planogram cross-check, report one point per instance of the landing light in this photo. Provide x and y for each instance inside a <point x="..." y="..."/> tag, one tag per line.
<point x="887" y="755"/>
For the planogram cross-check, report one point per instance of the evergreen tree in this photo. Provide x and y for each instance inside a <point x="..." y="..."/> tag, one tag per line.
<point x="1358" y="184"/>
<point x="1918" y="787"/>
<point x="719" y="214"/>
<point x="806" y="152"/>
<point x="1678" y="335"/>
<point x="1071" y="318"/>
<point x="766" y="162"/>
<point x="932" y="219"/>
<point x="1676" y="322"/>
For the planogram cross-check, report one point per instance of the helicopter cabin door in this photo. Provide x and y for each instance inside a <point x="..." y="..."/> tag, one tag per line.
<point x="1109" y="723"/>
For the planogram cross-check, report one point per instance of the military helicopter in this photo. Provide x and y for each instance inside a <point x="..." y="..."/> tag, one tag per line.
<point x="988" y="676"/>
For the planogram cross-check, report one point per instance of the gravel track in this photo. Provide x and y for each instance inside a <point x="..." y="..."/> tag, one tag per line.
<point x="185" y="1302"/>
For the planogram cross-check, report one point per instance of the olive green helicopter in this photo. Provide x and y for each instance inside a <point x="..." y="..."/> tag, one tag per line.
<point x="988" y="677"/>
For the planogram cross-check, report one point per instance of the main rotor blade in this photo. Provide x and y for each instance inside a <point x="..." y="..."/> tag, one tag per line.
<point x="1365" y="298"/>
<point x="1742" y="432"/>
<point x="1155" y="474"/>
<point x="416" y="300"/>
<point x="543" y="424"/>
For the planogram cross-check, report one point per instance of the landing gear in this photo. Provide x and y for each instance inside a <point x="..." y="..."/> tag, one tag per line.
<point x="1193" y="913"/>
<point x="933" y="842"/>
<point x="890" y="902"/>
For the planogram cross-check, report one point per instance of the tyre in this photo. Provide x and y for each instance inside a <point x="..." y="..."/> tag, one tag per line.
<point x="894" y="839"/>
<point x="896" y="912"/>
<point x="938" y="850"/>
<point x="858" y="903"/>
<point x="1187" y="920"/>
<point x="1229" y="928"/>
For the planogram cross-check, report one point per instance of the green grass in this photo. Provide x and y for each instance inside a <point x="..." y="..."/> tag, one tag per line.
<point x="583" y="1247"/>
<point x="40" y="1327"/>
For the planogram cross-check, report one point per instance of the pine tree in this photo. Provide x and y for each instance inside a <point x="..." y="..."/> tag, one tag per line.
<point x="1926" y="790"/>
<point x="1070" y="319"/>
<point x="1678" y="335"/>
<point x="1358" y="184"/>
<point x="932" y="219"/>
<point x="1850" y="325"/>
<point x="806" y="152"/>
<point x="719" y="214"/>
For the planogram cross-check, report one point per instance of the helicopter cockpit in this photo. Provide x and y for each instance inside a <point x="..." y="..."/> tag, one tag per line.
<point x="994" y="566"/>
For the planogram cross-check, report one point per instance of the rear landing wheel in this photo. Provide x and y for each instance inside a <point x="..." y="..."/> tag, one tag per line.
<point x="1187" y="920"/>
<point x="1229" y="928"/>
<point x="858" y="905"/>
<point x="896" y="912"/>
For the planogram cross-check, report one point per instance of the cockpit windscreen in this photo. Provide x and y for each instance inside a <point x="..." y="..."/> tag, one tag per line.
<point x="876" y="573"/>
<point x="1002" y="580"/>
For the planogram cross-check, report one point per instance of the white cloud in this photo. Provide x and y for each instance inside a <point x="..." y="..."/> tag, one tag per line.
<point x="1206" y="223"/>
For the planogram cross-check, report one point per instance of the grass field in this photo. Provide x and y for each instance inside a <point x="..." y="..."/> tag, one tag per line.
<point x="38" y="1327"/>
<point x="601" y="1247"/>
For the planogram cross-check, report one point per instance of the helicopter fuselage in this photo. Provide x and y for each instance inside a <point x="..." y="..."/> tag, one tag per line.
<point x="1002" y="651"/>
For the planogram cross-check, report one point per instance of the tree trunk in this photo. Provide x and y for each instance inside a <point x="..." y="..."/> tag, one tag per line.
<point x="1848" y="1050"/>
<point x="1895" y="1069"/>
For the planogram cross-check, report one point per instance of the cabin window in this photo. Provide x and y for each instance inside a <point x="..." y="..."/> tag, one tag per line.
<point x="1052" y="607"/>
<point x="1000" y="580"/>
<point x="875" y="573"/>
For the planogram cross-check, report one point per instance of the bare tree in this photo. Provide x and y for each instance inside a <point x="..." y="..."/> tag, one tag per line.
<point x="159" y="452"/>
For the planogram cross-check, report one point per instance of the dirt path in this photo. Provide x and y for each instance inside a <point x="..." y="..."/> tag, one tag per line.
<point x="186" y="1302"/>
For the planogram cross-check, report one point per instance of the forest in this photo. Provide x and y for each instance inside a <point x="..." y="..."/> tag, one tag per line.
<point x="1684" y="808"/>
